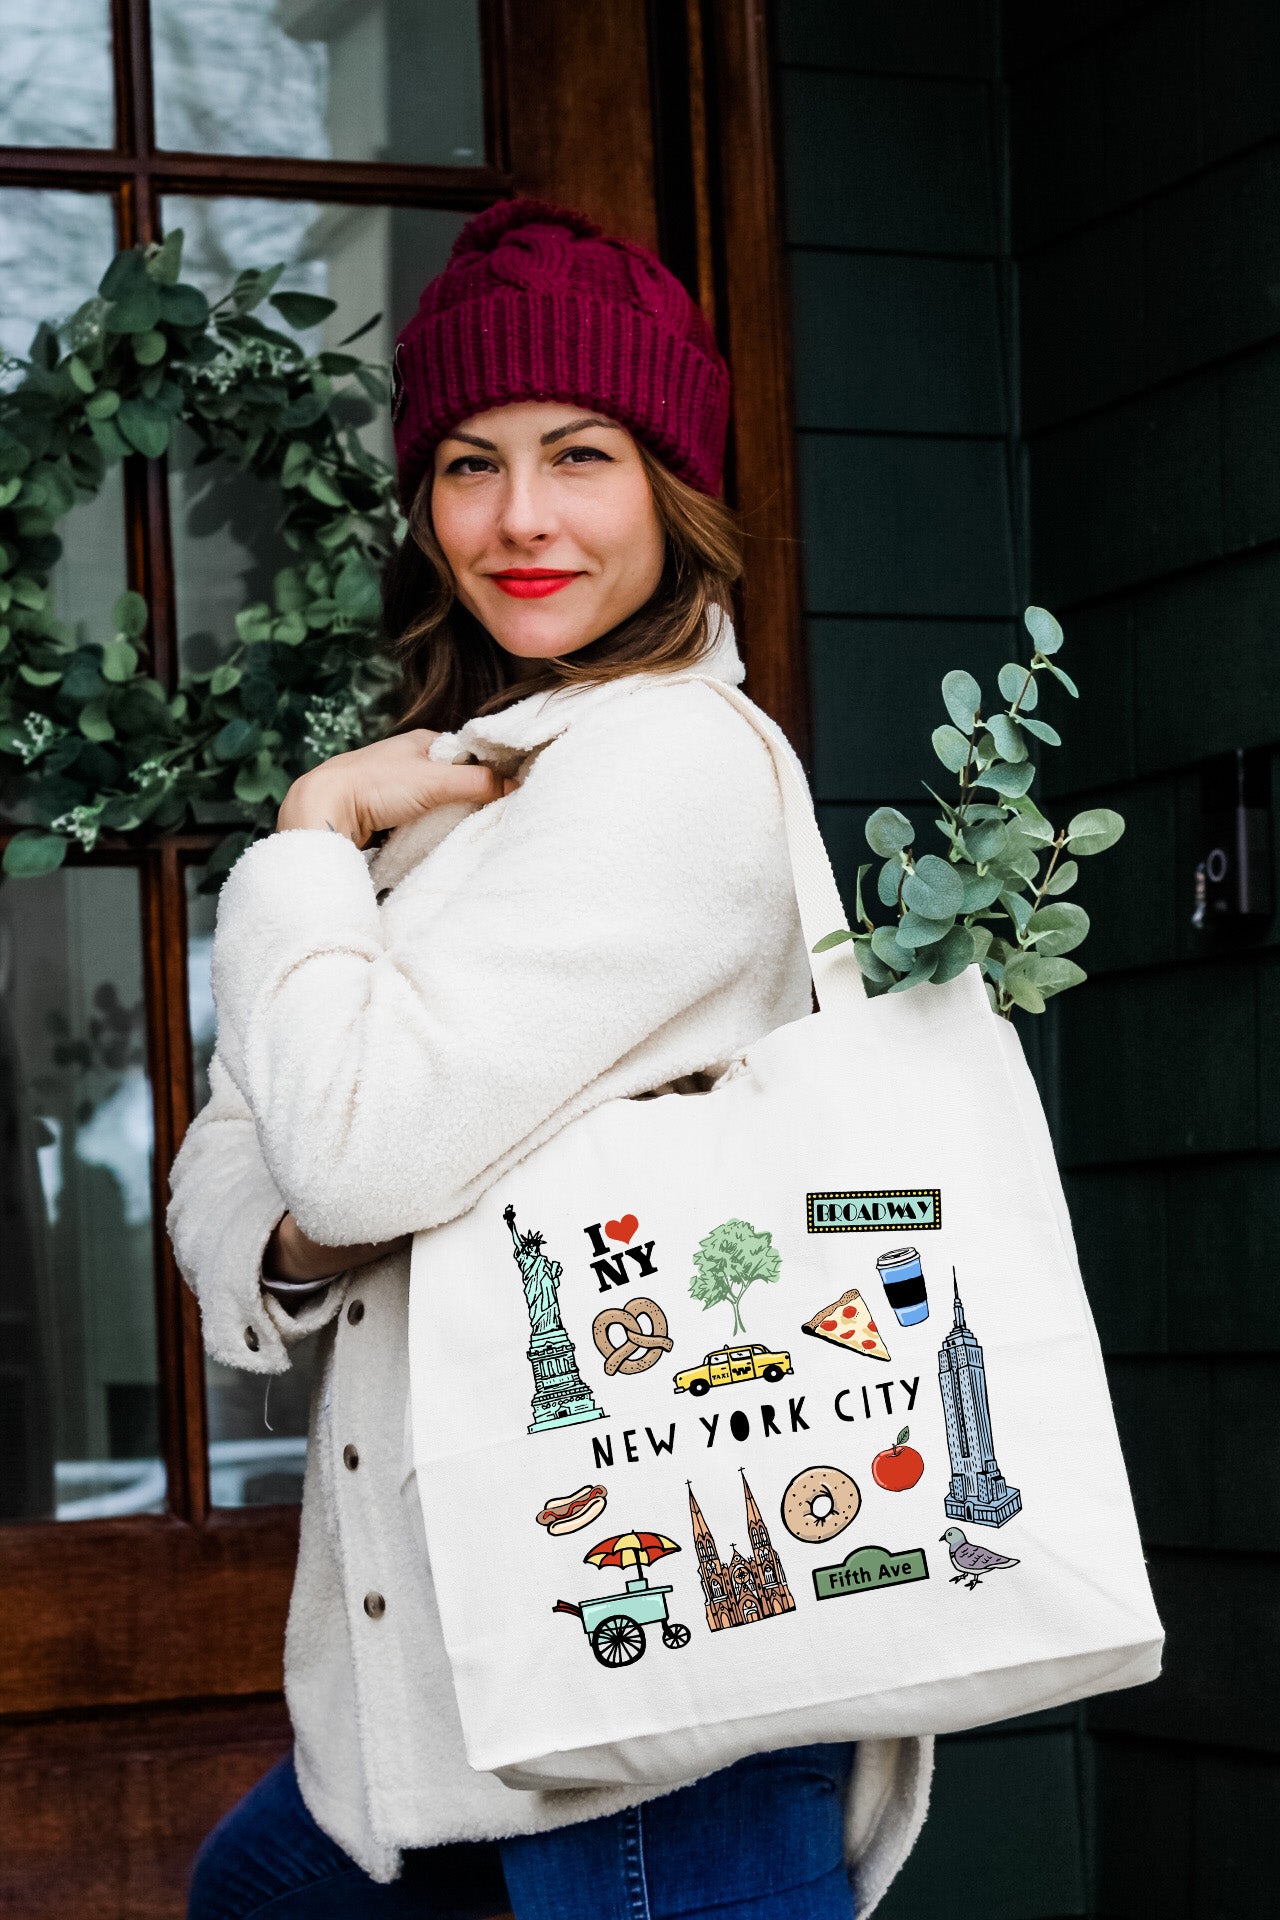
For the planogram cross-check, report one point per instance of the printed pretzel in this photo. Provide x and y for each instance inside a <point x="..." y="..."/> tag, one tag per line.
<point x="638" y="1350"/>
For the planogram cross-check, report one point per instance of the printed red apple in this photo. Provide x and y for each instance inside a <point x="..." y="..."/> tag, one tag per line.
<point x="899" y="1466"/>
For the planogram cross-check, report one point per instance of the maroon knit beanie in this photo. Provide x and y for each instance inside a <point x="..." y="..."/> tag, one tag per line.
<point x="537" y="303"/>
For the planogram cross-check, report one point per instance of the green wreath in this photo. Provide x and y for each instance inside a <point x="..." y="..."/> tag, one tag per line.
<point x="94" y="739"/>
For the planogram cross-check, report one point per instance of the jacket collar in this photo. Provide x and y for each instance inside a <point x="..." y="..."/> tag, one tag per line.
<point x="503" y="740"/>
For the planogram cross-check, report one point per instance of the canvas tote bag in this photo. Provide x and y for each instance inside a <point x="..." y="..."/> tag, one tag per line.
<point x="775" y="1414"/>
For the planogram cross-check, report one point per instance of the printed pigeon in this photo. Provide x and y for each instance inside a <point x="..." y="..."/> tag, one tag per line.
<point x="970" y="1560"/>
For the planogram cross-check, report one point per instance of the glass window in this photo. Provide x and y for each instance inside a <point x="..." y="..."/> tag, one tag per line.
<point x="396" y="80"/>
<point x="257" y="1431"/>
<point x="55" y="73"/>
<point x="55" y="246"/>
<point x="225" y="524"/>
<point x="79" y="1409"/>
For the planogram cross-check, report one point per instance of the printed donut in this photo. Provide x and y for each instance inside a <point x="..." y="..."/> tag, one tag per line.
<point x="811" y="1486"/>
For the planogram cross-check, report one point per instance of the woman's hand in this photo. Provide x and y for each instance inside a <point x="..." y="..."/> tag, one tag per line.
<point x="290" y="1255"/>
<point x="385" y="784"/>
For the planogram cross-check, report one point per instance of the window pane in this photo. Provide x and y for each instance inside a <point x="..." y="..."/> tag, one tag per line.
<point x="79" y="1395"/>
<point x="257" y="1432"/>
<point x="54" y="249"/>
<point x="324" y="79"/>
<point x="55" y="73"/>
<point x="226" y="544"/>
<point x="55" y="246"/>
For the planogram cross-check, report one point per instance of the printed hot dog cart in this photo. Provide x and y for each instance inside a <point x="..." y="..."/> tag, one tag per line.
<point x="615" y="1622"/>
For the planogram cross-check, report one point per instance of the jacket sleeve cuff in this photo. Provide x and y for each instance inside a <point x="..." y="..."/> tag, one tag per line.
<point x="315" y="1311"/>
<point x="297" y="894"/>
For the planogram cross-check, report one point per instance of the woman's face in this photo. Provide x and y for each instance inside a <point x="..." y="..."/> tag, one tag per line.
<point x="544" y="512"/>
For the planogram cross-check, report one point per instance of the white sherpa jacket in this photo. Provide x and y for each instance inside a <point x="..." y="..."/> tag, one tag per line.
<point x="398" y="1027"/>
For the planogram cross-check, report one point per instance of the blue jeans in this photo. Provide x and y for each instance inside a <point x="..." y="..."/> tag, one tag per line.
<point x="761" y="1840"/>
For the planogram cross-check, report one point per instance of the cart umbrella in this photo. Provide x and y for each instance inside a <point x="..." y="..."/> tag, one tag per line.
<point x="630" y="1550"/>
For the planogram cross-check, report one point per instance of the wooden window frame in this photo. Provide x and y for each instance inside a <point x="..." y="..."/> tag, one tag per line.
<point x="189" y="1605"/>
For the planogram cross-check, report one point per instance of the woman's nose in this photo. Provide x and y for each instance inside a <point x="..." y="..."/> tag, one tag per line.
<point x="526" y="514"/>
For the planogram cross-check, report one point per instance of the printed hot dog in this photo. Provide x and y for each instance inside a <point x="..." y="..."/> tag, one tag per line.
<point x="573" y="1510"/>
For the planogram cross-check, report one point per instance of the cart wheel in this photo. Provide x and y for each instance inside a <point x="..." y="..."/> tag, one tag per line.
<point x="674" y="1634"/>
<point x="617" y="1641"/>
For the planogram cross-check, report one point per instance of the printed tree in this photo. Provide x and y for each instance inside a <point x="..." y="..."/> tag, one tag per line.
<point x="732" y="1258"/>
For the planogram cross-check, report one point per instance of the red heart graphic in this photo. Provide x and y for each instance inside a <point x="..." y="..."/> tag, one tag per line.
<point x="624" y="1229"/>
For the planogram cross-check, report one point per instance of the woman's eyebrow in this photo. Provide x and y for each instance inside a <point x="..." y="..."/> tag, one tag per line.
<point x="576" y="426"/>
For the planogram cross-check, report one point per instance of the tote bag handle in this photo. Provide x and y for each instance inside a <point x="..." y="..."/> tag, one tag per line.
<point x="836" y="975"/>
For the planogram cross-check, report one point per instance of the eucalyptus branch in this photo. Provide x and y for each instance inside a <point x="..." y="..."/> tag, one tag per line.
<point x="986" y="902"/>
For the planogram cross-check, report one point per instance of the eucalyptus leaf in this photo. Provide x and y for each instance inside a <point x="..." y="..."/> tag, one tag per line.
<point x="1018" y="983"/>
<point x="962" y="697"/>
<point x="981" y="937"/>
<point x="224" y="678"/>
<point x="1011" y="781"/>
<point x="1058" y="928"/>
<point x="129" y="615"/>
<point x="886" y="949"/>
<point x="1042" y="730"/>
<point x="119" y="659"/>
<point x="1043" y="628"/>
<point x="1094" y="831"/>
<point x="236" y="739"/>
<point x="1063" y="878"/>
<point x="924" y="969"/>
<point x="955" y="953"/>
<point x="32" y="852"/>
<point x="303" y="310"/>
<point x="987" y="841"/>
<point x="860" y="912"/>
<point x="934" y="890"/>
<point x="183" y="306"/>
<point x="1065" y="678"/>
<point x="915" y="931"/>
<point x="1017" y="908"/>
<point x="872" y="968"/>
<point x="321" y="488"/>
<point x="95" y="722"/>
<point x="951" y="747"/>
<point x="103" y="404"/>
<point x="888" y="880"/>
<point x="149" y="348"/>
<point x="1010" y="744"/>
<point x="888" y="831"/>
<point x="830" y="940"/>
<point x="982" y="891"/>
<point x="144" y="425"/>
<point x="1012" y="679"/>
<point x="135" y="312"/>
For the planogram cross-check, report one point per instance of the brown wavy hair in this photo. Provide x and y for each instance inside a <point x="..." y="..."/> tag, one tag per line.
<point x="452" y="668"/>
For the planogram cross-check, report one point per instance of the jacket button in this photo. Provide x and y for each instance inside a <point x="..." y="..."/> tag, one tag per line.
<point x="355" y="1312"/>
<point x="381" y="895"/>
<point x="374" y="1605"/>
<point x="251" y="1339"/>
<point x="350" y="1458"/>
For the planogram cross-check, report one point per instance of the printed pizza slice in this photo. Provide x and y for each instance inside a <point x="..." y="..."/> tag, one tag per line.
<point x="848" y="1323"/>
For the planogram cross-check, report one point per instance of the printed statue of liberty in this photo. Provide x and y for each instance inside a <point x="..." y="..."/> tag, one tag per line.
<point x="561" y="1398"/>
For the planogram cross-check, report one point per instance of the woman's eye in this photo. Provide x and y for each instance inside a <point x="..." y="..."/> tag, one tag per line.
<point x="470" y="463"/>
<point x="580" y="456"/>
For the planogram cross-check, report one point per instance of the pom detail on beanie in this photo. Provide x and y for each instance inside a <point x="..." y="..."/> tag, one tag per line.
<point x="538" y="303"/>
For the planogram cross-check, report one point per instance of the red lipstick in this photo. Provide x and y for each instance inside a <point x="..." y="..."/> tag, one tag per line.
<point x="532" y="583"/>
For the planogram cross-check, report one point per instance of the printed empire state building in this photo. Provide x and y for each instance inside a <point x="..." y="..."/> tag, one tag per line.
<point x="743" y="1589"/>
<point x="978" y="1491"/>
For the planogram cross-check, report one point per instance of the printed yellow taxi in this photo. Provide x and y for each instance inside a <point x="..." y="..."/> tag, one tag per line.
<point x="729" y="1364"/>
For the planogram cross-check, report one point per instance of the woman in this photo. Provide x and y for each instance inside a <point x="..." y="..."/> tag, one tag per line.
<point x="584" y="895"/>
